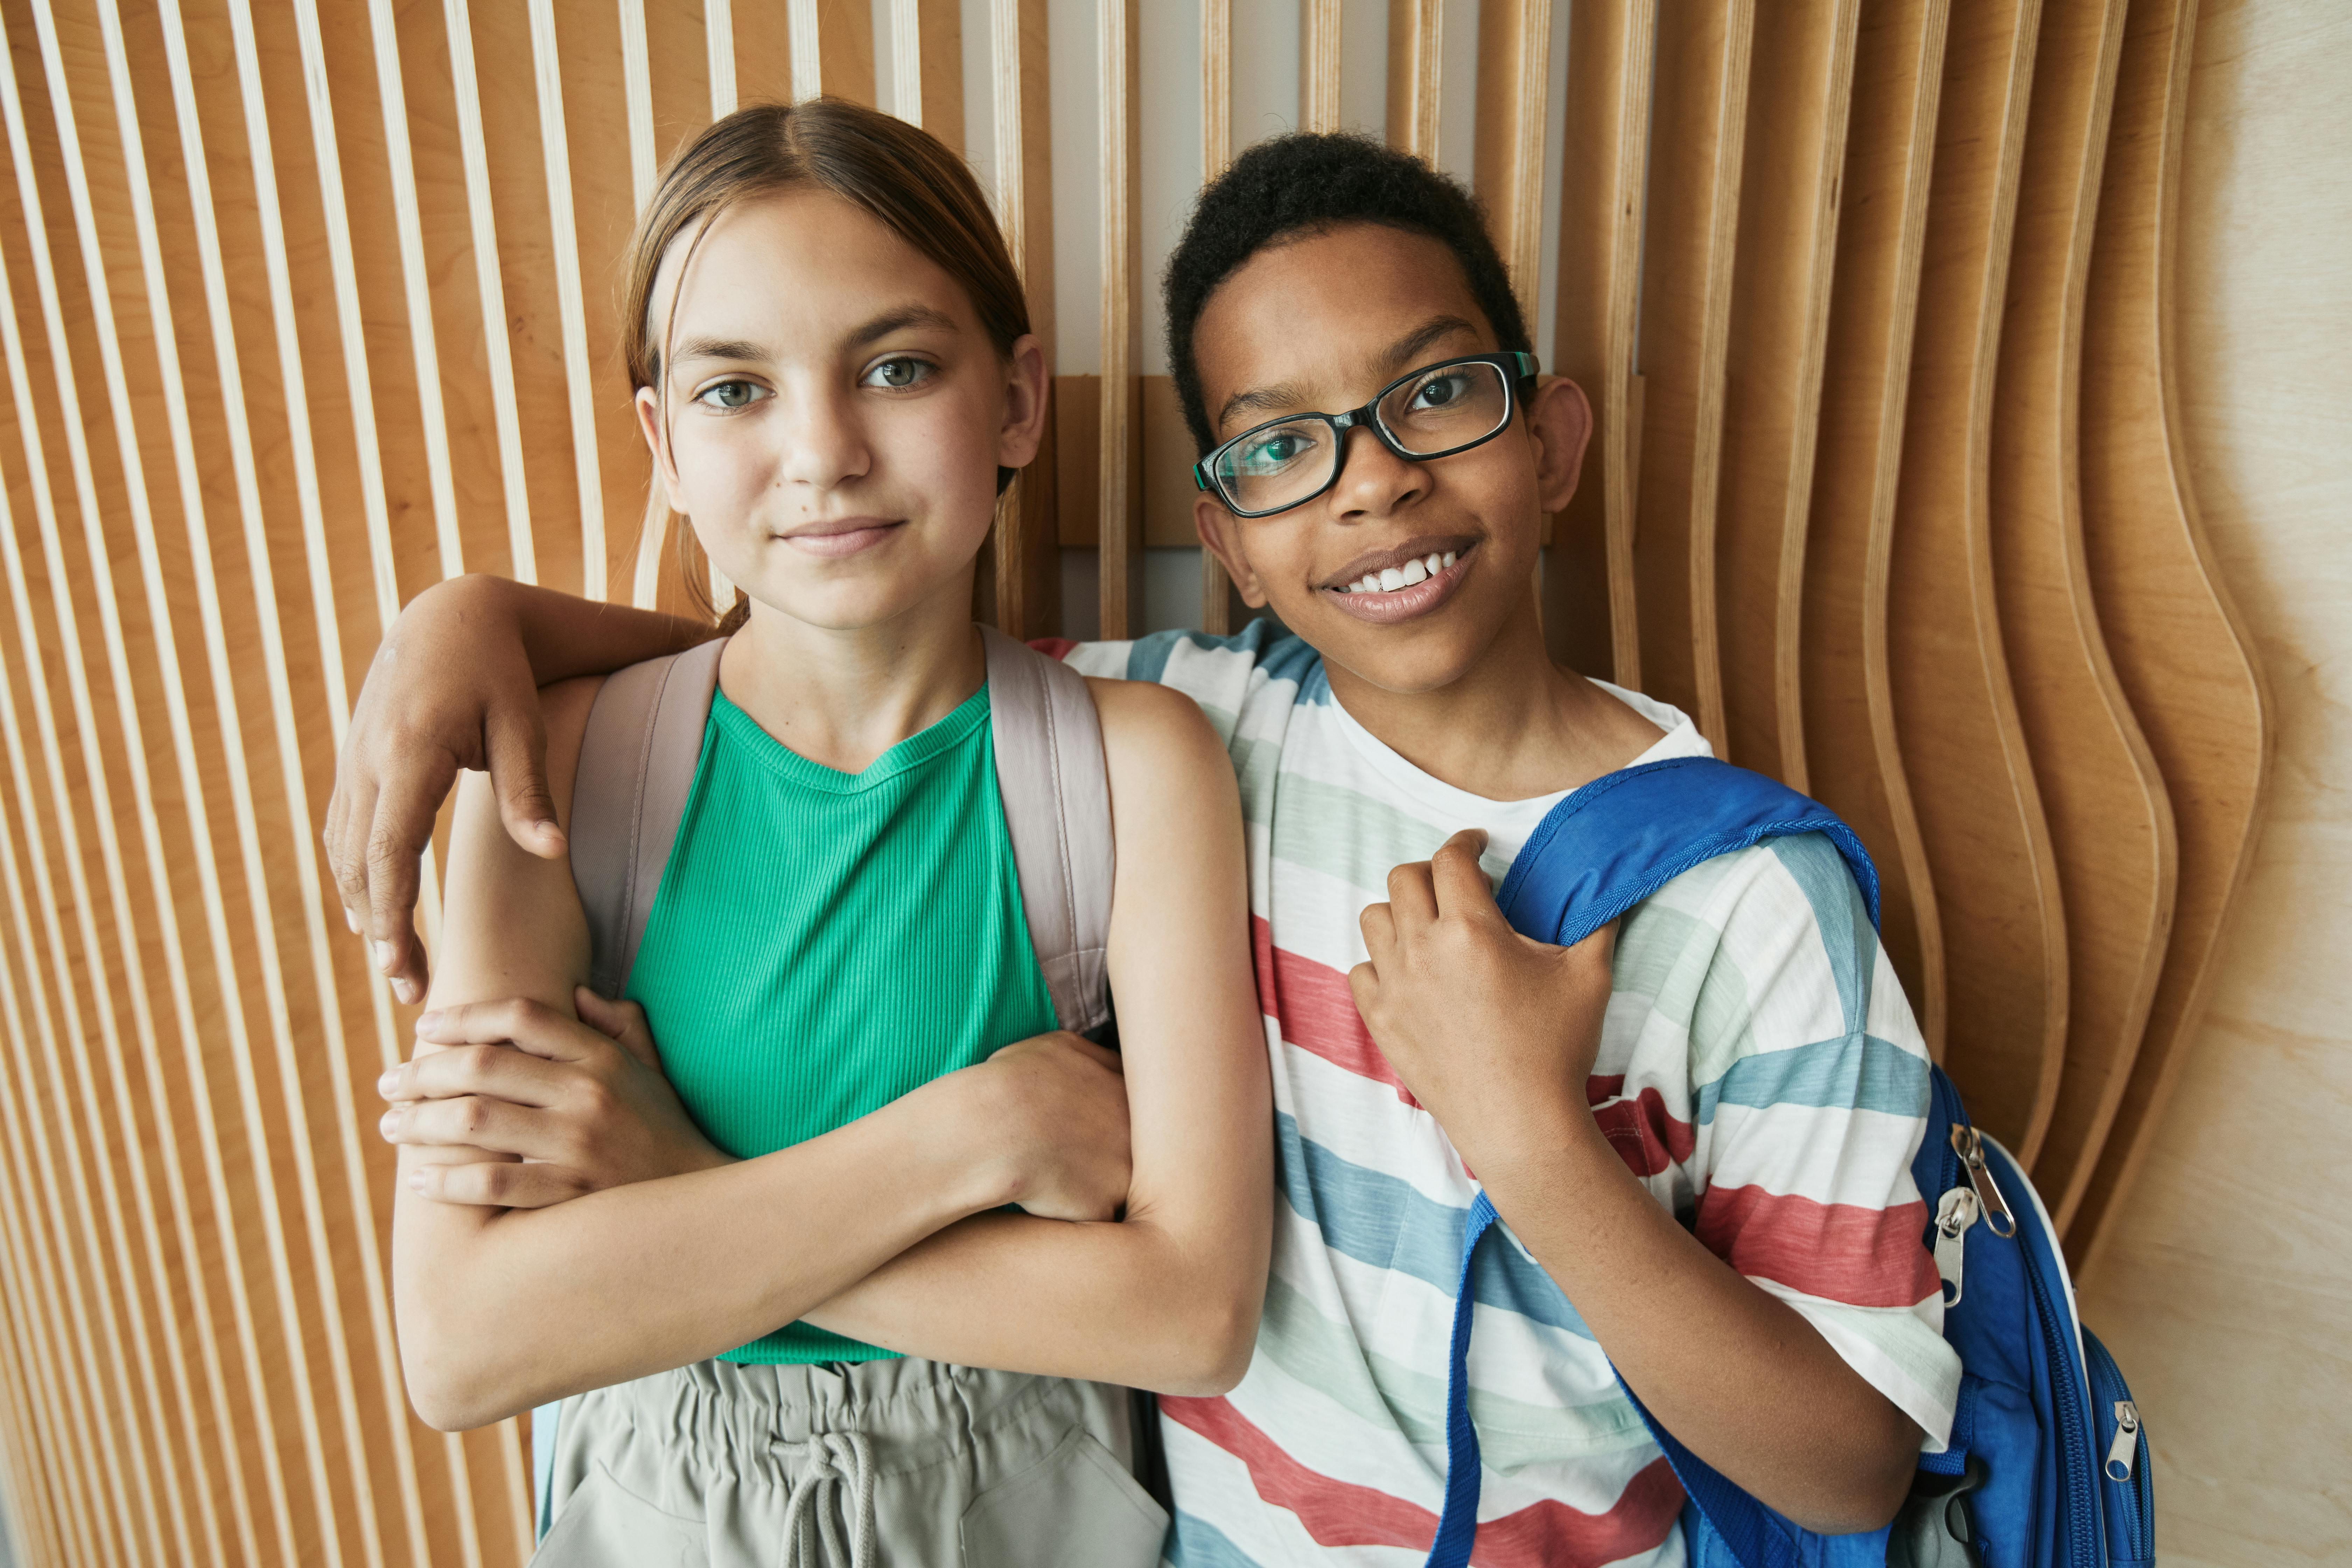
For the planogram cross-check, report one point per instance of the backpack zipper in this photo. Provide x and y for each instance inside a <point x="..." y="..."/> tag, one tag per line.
<point x="2136" y="1508"/>
<point x="1968" y="1144"/>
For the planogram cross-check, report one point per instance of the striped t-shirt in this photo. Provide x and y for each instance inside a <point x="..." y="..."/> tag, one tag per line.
<point x="1758" y="1069"/>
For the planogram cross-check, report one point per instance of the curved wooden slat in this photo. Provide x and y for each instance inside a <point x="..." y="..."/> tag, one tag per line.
<point x="1963" y="751"/>
<point x="927" y="66"/>
<point x="1588" y="593"/>
<point x="2175" y="637"/>
<point x="832" y="49"/>
<point x="2110" y="823"/>
<point x="1797" y="115"/>
<point x="1854" y="761"/>
<point x="1415" y="74"/>
<point x="1514" y="59"/>
<point x="1217" y="151"/>
<point x="1700" y="117"/>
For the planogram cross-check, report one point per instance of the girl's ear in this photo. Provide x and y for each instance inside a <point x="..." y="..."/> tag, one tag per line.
<point x="649" y="424"/>
<point x="1025" y="404"/>
<point x="1220" y="534"/>
<point x="1562" y="421"/>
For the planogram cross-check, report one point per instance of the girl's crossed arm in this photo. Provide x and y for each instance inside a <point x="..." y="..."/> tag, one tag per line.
<point x="503" y="1309"/>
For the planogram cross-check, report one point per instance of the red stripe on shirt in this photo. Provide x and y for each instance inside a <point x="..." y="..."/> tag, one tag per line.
<point x="1645" y="1134"/>
<point x="1841" y="1252"/>
<point x="1053" y="648"/>
<point x="1547" y="1534"/>
<point x="1317" y="1012"/>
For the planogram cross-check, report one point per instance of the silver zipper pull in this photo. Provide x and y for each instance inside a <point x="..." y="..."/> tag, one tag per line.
<point x="1958" y="1210"/>
<point x="1970" y="1147"/>
<point x="2121" y="1452"/>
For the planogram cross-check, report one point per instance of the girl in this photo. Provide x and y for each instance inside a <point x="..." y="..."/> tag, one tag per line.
<point x="836" y="376"/>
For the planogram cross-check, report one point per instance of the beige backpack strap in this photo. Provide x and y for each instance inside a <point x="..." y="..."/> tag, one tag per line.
<point x="637" y="759"/>
<point x="1056" y="793"/>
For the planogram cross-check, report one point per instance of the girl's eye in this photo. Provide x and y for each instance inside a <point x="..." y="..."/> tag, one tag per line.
<point x="732" y="394"/>
<point x="899" y="373"/>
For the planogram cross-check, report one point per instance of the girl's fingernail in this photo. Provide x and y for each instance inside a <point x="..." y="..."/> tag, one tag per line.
<point x="416" y="1181"/>
<point x="405" y="989"/>
<point x="384" y="954"/>
<point x="388" y="1083"/>
<point x="389" y="1124"/>
<point x="428" y="1021"/>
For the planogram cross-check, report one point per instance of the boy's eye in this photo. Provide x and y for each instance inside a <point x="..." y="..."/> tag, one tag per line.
<point x="899" y="373"/>
<point x="1271" y="452"/>
<point x="1440" y="390"/>
<point x="732" y="394"/>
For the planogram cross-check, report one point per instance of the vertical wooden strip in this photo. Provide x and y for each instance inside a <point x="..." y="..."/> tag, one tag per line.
<point x="636" y="73"/>
<point x="571" y="307"/>
<point x="2110" y="823"/>
<point x="1513" y="60"/>
<point x="1119" y="497"/>
<point x="718" y="40"/>
<point x="832" y="49"/>
<point x="482" y="219"/>
<point x="408" y="221"/>
<point x="1797" y="117"/>
<point x="38" y="1502"/>
<point x="1319" y="23"/>
<point x="1217" y="151"/>
<point x="2179" y="647"/>
<point x="1416" y="65"/>
<point x="242" y="805"/>
<point x="1027" y="563"/>
<point x="165" y="903"/>
<point x="1979" y="812"/>
<point x="214" y="272"/>
<point x="1853" y="757"/>
<point x="1701" y="121"/>
<point x="926" y="67"/>
<point x="1590" y="604"/>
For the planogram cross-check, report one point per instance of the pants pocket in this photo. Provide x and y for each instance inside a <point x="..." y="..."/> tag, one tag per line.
<point x="1077" y="1508"/>
<point x="606" y="1525"/>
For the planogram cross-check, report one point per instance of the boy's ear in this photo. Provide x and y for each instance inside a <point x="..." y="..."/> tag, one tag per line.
<point x="649" y="424"/>
<point x="1220" y="534"/>
<point x="1027" y="403"/>
<point x="1562" y="421"/>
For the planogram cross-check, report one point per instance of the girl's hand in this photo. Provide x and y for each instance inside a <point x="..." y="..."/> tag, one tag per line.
<point x="451" y="687"/>
<point x="1056" y="1105"/>
<point x="583" y="1103"/>
<point x="1483" y="1026"/>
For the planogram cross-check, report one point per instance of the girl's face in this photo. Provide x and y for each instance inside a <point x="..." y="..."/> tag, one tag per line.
<point x="836" y="413"/>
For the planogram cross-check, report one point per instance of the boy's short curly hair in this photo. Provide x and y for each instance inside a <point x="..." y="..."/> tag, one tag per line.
<point x="1299" y="183"/>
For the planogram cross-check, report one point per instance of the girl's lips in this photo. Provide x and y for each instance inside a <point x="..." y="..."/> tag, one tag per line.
<point x="1404" y="603"/>
<point x="844" y="542"/>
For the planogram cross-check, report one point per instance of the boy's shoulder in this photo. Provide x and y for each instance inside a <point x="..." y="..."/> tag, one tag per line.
<point x="1262" y="660"/>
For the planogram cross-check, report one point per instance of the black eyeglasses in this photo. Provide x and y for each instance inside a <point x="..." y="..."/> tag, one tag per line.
<point x="1432" y="412"/>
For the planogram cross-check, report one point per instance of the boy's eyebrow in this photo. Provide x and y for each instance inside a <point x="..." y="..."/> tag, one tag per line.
<point x="896" y="320"/>
<point x="1398" y="357"/>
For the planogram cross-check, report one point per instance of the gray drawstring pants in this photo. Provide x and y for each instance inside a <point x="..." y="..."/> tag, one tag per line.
<point x="883" y="1464"/>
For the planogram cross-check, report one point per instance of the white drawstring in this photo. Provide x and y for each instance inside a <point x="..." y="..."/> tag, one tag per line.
<point x="834" y="1459"/>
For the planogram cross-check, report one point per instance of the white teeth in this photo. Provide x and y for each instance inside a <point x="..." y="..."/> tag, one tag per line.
<point x="1449" y="558"/>
<point x="1391" y="580"/>
<point x="1434" y="564"/>
<point x="1368" y="583"/>
<point x="1414" y="571"/>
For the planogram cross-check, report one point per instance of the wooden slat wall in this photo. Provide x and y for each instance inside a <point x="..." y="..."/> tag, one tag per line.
<point x="304" y="308"/>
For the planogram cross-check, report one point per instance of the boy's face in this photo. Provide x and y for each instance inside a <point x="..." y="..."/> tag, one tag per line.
<point x="1322" y="324"/>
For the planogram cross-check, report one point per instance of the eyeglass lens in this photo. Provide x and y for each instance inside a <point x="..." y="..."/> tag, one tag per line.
<point x="1438" y="411"/>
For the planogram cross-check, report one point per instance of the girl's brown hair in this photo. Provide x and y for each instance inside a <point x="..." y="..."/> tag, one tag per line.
<point x="918" y="189"/>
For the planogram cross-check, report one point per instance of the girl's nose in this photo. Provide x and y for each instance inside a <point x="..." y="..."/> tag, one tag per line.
<point x="823" y="444"/>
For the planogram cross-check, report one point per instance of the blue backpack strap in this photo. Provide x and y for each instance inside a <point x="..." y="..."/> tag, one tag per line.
<point x="1597" y="854"/>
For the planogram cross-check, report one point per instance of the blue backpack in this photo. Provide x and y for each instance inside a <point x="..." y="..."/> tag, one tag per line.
<point x="2046" y="1468"/>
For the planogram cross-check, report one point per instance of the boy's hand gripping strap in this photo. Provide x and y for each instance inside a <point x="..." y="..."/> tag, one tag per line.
<point x="1597" y="854"/>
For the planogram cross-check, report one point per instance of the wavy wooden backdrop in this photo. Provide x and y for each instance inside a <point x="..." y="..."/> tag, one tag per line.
<point x="306" y="304"/>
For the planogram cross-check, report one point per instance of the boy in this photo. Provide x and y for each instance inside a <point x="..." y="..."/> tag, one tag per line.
<point x="1758" y="1076"/>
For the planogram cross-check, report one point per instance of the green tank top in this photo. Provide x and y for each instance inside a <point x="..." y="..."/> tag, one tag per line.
<point x="824" y="942"/>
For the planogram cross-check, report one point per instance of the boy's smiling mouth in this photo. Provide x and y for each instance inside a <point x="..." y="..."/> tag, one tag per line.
<point x="1399" y="584"/>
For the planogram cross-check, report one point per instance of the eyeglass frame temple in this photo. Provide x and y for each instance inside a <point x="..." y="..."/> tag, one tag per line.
<point x="1529" y="367"/>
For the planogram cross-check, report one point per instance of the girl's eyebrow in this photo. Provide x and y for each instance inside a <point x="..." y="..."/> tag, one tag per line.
<point x="899" y="318"/>
<point x="719" y="348"/>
